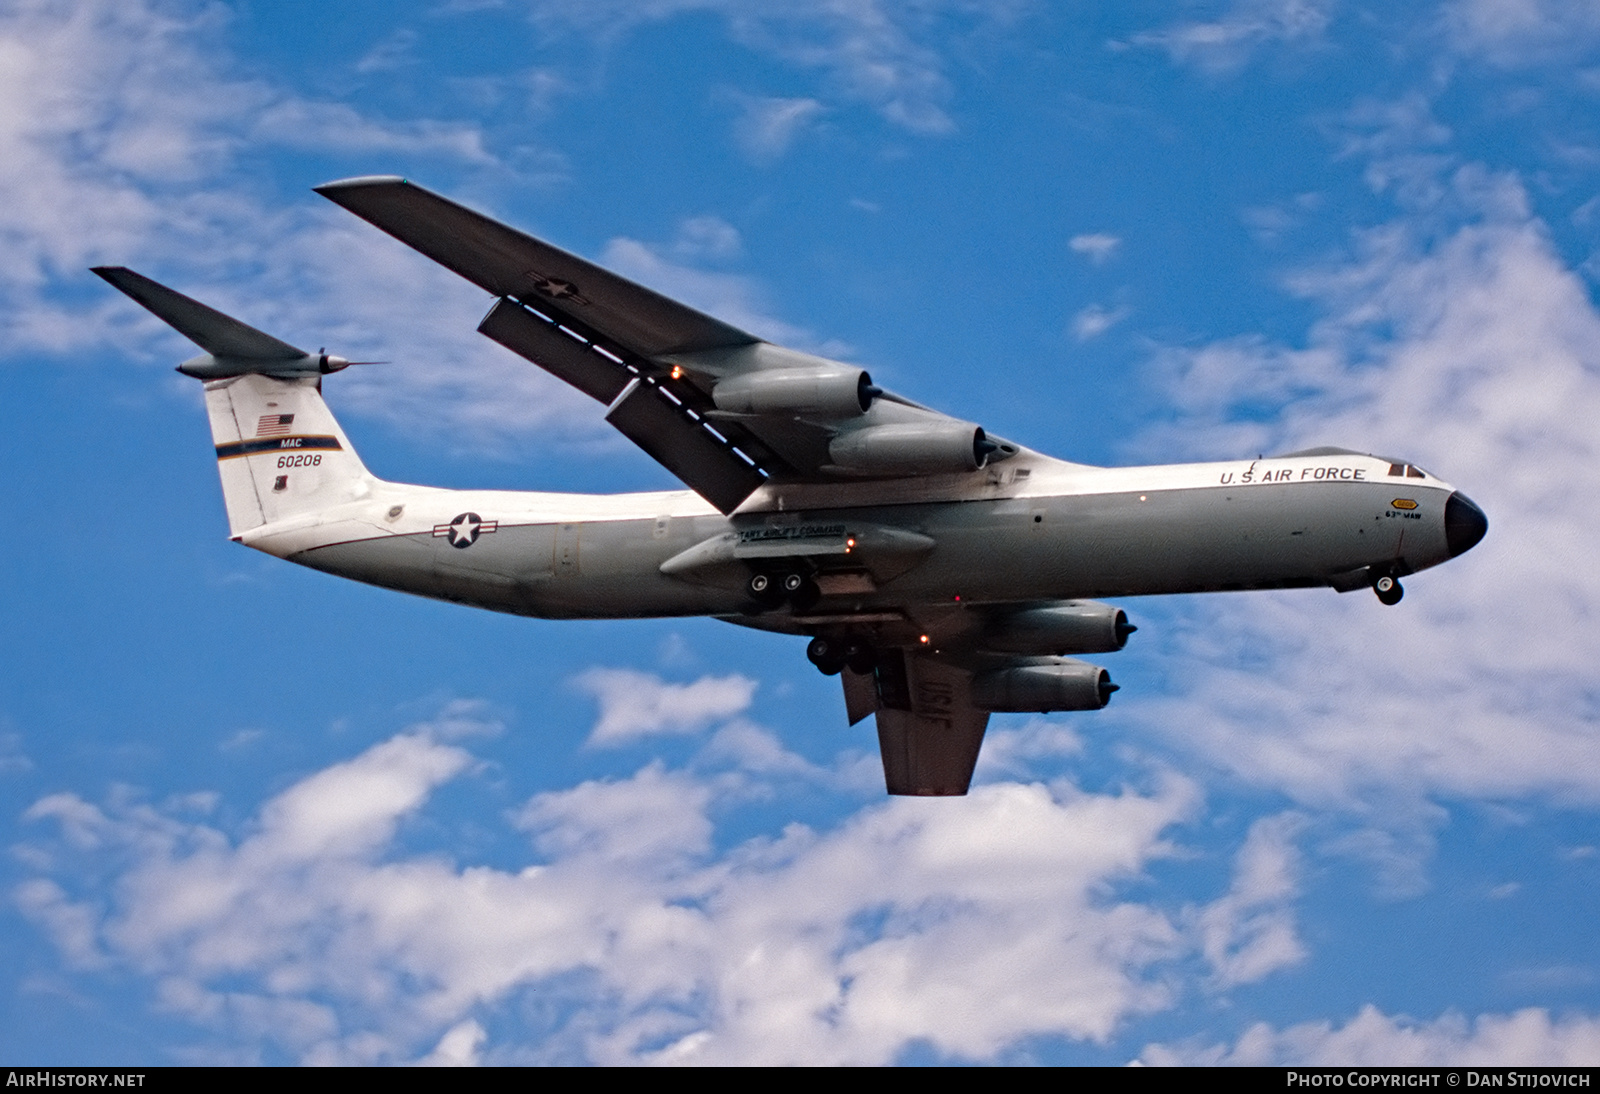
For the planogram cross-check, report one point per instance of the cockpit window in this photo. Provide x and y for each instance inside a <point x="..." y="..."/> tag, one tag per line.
<point x="1409" y="470"/>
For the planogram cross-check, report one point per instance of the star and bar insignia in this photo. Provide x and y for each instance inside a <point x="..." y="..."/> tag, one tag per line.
<point x="464" y="531"/>
<point x="556" y="289"/>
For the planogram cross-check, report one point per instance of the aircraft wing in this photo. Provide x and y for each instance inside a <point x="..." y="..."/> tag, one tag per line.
<point x="719" y="408"/>
<point x="509" y="263"/>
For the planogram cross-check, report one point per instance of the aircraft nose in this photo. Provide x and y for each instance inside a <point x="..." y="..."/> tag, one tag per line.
<point x="1464" y="524"/>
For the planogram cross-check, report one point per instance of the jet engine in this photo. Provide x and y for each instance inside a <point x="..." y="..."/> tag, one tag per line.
<point x="826" y="393"/>
<point x="1041" y="686"/>
<point x="912" y="448"/>
<point x="1075" y="626"/>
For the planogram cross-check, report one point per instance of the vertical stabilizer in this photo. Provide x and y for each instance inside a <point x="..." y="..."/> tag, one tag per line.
<point x="280" y="452"/>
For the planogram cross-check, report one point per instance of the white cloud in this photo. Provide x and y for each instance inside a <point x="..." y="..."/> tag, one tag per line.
<point x="1520" y="32"/>
<point x="1456" y="337"/>
<point x="1014" y="752"/>
<point x="118" y="126"/>
<point x="296" y="123"/>
<point x="730" y="297"/>
<point x="395" y="51"/>
<point x="1250" y="931"/>
<point x="1527" y="1038"/>
<point x="706" y="237"/>
<point x="637" y="704"/>
<point x="962" y="925"/>
<point x="1098" y="247"/>
<point x="1225" y="44"/>
<point x="13" y="757"/>
<point x="459" y="1047"/>
<point x="869" y="51"/>
<point x="1095" y="320"/>
<point x="768" y="126"/>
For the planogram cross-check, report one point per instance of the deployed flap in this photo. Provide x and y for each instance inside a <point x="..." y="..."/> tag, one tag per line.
<point x="557" y="352"/>
<point x="509" y="263"/>
<point x="684" y="446"/>
<point x="931" y="746"/>
<point x="219" y="335"/>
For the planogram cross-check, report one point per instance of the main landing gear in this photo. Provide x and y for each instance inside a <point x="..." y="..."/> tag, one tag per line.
<point x="1388" y="589"/>
<point x="771" y="589"/>
<point x="832" y="657"/>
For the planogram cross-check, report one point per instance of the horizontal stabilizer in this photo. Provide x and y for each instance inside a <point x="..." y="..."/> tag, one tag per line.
<point x="220" y="335"/>
<point x="507" y="262"/>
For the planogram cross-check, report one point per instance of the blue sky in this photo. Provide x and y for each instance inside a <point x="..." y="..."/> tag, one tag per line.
<point x="256" y="814"/>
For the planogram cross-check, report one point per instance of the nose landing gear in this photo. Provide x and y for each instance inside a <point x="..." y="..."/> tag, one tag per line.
<point x="1387" y="586"/>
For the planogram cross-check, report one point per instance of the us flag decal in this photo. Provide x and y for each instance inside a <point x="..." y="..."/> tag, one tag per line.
<point x="274" y="425"/>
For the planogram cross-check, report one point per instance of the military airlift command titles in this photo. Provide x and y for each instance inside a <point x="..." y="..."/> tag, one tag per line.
<point x="1384" y="1078"/>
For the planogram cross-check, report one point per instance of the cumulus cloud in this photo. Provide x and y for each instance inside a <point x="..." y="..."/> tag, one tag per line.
<point x="637" y="704"/>
<point x="1250" y="932"/>
<point x="119" y="124"/>
<point x="313" y="936"/>
<point x="1470" y="349"/>
<point x="1527" y="1038"/>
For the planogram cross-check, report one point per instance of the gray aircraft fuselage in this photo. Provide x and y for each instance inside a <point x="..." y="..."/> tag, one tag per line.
<point x="1327" y="519"/>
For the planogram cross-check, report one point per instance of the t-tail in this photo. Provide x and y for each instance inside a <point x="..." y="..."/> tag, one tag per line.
<point x="280" y="452"/>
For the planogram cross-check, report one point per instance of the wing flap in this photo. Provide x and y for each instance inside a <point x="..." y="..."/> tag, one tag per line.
<point x="510" y="263"/>
<point x="561" y="354"/>
<point x="929" y="733"/>
<point x="686" y="447"/>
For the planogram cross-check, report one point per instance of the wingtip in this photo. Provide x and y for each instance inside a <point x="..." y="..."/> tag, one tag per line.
<point x="358" y="183"/>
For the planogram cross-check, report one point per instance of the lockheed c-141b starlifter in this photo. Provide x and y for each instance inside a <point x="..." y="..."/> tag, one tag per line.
<point x="943" y="573"/>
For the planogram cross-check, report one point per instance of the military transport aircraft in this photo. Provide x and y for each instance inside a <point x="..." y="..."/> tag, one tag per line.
<point x="942" y="572"/>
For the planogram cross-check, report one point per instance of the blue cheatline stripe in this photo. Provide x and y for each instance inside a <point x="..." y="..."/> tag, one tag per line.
<point x="276" y="444"/>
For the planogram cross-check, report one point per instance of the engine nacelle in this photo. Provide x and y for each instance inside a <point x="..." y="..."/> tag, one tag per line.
<point x="1040" y="687"/>
<point x="912" y="448"/>
<point x="807" y="392"/>
<point x="1075" y="626"/>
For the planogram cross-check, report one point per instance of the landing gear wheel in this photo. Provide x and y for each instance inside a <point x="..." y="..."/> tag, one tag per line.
<point x="793" y="583"/>
<point x="826" y="655"/>
<point x="1388" y="590"/>
<point x="805" y="595"/>
<point x="764" y="589"/>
